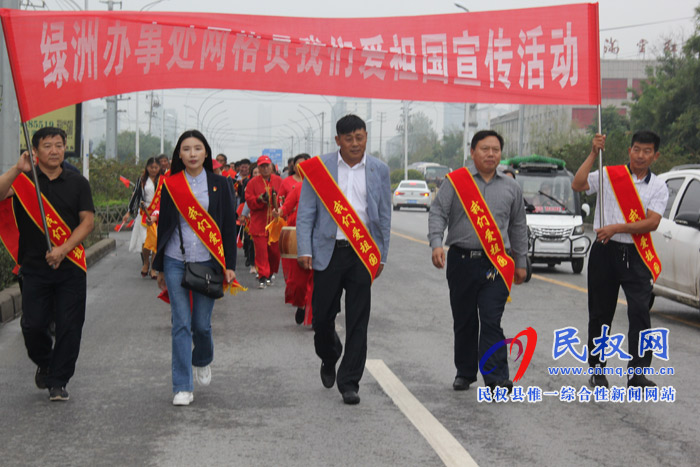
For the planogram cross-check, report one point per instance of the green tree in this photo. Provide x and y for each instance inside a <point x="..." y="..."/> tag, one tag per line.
<point x="669" y="102"/>
<point x="422" y="139"/>
<point x="149" y="146"/>
<point x="449" y="151"/>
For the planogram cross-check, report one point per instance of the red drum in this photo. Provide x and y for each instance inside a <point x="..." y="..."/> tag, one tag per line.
<point x="288" y="242"/>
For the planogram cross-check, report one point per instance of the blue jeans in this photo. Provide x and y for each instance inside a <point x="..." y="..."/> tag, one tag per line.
<point x="188" y="328"/>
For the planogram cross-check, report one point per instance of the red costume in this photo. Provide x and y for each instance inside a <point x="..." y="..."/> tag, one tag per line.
<point x="300" y="282"/>
<point x="267" y="256"/>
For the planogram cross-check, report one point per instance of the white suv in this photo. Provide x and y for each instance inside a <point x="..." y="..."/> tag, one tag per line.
<point x="677" y="240"/>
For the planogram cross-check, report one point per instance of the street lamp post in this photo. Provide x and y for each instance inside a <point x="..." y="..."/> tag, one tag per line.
<point x="320" y="124"/>
<point x="465" y="139"/>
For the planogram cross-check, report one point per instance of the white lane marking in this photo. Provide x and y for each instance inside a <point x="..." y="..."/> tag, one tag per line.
<point x="445" y="445"/>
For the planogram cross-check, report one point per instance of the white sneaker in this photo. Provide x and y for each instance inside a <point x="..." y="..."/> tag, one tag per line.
<point x="271" y="281"/>
<point x="183" y="398"/>
<point x="202" y="374"/>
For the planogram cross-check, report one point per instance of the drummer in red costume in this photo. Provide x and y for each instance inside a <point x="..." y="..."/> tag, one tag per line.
<point x="261" y="197"/>
<point x="288" y="184"/>
<point x="299" y="281"/>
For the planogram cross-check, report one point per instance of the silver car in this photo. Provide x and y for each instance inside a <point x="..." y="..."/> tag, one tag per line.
<point x="412" y="194"/>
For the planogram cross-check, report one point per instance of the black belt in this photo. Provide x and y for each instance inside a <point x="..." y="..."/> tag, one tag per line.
<point x="471" y="253"/>
<point x="342" y="244"/>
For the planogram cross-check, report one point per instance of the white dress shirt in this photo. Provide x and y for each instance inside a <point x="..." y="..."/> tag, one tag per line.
<point x="353" y="184"/>
<point x="652" y="191"/>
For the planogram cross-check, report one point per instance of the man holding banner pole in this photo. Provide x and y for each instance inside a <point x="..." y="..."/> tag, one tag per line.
<point x="54" y="282"/>
<point x="343" y="228"/>
<point x="484" y="213"/>
<point x="623" y="255"/>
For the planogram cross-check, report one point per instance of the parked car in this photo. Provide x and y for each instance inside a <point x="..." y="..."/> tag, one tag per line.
<point x="554" y="212"/>
<point x="677" y="239"/>
<point x="412" y="194"/>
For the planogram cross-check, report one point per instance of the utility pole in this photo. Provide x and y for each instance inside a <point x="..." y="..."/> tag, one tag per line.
<point x="111" y="130"/>
<point x="137" y="149"/>
<point x="382" y="119"/>
<point x="405" y="140"/>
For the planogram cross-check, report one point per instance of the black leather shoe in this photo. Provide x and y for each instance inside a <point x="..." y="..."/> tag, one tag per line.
<point x="351" y="398"/>
<point x="508" y="384"/>
<point x="461" y="383"/>
<point x="640" y="381"/>
<point x="598" y="380"/>
<point x="327" y="374"/>
<point x="299" y="315"/>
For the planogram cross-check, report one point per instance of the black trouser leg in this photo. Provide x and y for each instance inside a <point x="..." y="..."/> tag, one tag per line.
<point x="637" y="285"/>
<point x="37" y="314"/>
<point x="491" y="299"/>
<point x="603" y="289"/>
<point x="358" y="297"/>
<point x="324" y="302"/>
<point x="59" y="295"/>
<point x="463" y="283"/>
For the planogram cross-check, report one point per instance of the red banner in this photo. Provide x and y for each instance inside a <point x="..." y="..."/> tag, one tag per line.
<point x="531" y="56"/>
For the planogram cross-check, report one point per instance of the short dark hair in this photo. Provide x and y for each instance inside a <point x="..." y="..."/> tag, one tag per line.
<point x="47" y="132"/>
<point x="349" y="124"/>
<point x="646" y="137"/>
<point x="160" y="157"/>
<point x="243" y="161"/>
<point x="224" y="156"/>
<point x="177" y="164"/>
<point x="479" y="135"/>
<point x="302" y="156"/>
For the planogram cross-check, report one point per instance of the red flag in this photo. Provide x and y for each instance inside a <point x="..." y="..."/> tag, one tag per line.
<point x="239" y="242"/>
<point x="118" y="227"/>
<point x="130" y="224"/>
<point x="125" y="181"/>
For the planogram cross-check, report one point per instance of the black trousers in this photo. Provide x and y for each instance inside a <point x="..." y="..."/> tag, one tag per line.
<point x="57" y="296"/>
<point x="610" y="266"/>
<point x="344" y="272"/>
<point x="477" y="303"/>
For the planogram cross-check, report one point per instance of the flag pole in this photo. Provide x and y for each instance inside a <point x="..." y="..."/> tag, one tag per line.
<point x="36" y="185"/>
<point x="600" y="172"/>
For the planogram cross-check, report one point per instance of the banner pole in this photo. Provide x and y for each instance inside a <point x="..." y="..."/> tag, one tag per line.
<point x="600" y="171"/>
<point x="36" y="185"/>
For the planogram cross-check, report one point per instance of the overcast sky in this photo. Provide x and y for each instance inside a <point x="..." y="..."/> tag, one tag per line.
<point x="627" y="21"/>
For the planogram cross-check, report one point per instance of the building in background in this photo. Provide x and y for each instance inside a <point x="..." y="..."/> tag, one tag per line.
<point x="547" y="122"/>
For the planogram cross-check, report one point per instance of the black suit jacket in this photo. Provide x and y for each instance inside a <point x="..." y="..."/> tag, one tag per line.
<point x="222" y="208"/>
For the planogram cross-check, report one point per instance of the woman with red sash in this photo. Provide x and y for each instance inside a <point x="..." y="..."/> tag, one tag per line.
<point x="299" y="281"/>
<point x="193" y="195"/>
<point x="143" y="237"/>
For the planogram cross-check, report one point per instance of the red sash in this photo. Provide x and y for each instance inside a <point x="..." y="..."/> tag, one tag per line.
<point x="59" y="232"/>
<point x="199" y="220"/>
<point x="633" y="210"/>
<point x="342" y="212"/>
<point x="9" y="233"/>
<point x="155" y="202"/>
<point x="485" y="226"/>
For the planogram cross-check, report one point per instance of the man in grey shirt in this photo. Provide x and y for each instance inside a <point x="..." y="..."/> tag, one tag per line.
<point x="477" y="294"/>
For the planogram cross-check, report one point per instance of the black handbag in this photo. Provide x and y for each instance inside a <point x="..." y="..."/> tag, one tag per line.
<point x="201" y="278"/>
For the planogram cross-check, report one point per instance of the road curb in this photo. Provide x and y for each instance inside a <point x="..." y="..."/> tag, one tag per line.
<point x="11" y="298"/>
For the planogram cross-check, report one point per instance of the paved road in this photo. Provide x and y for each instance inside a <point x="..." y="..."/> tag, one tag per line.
<point x="266" y="405"/>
